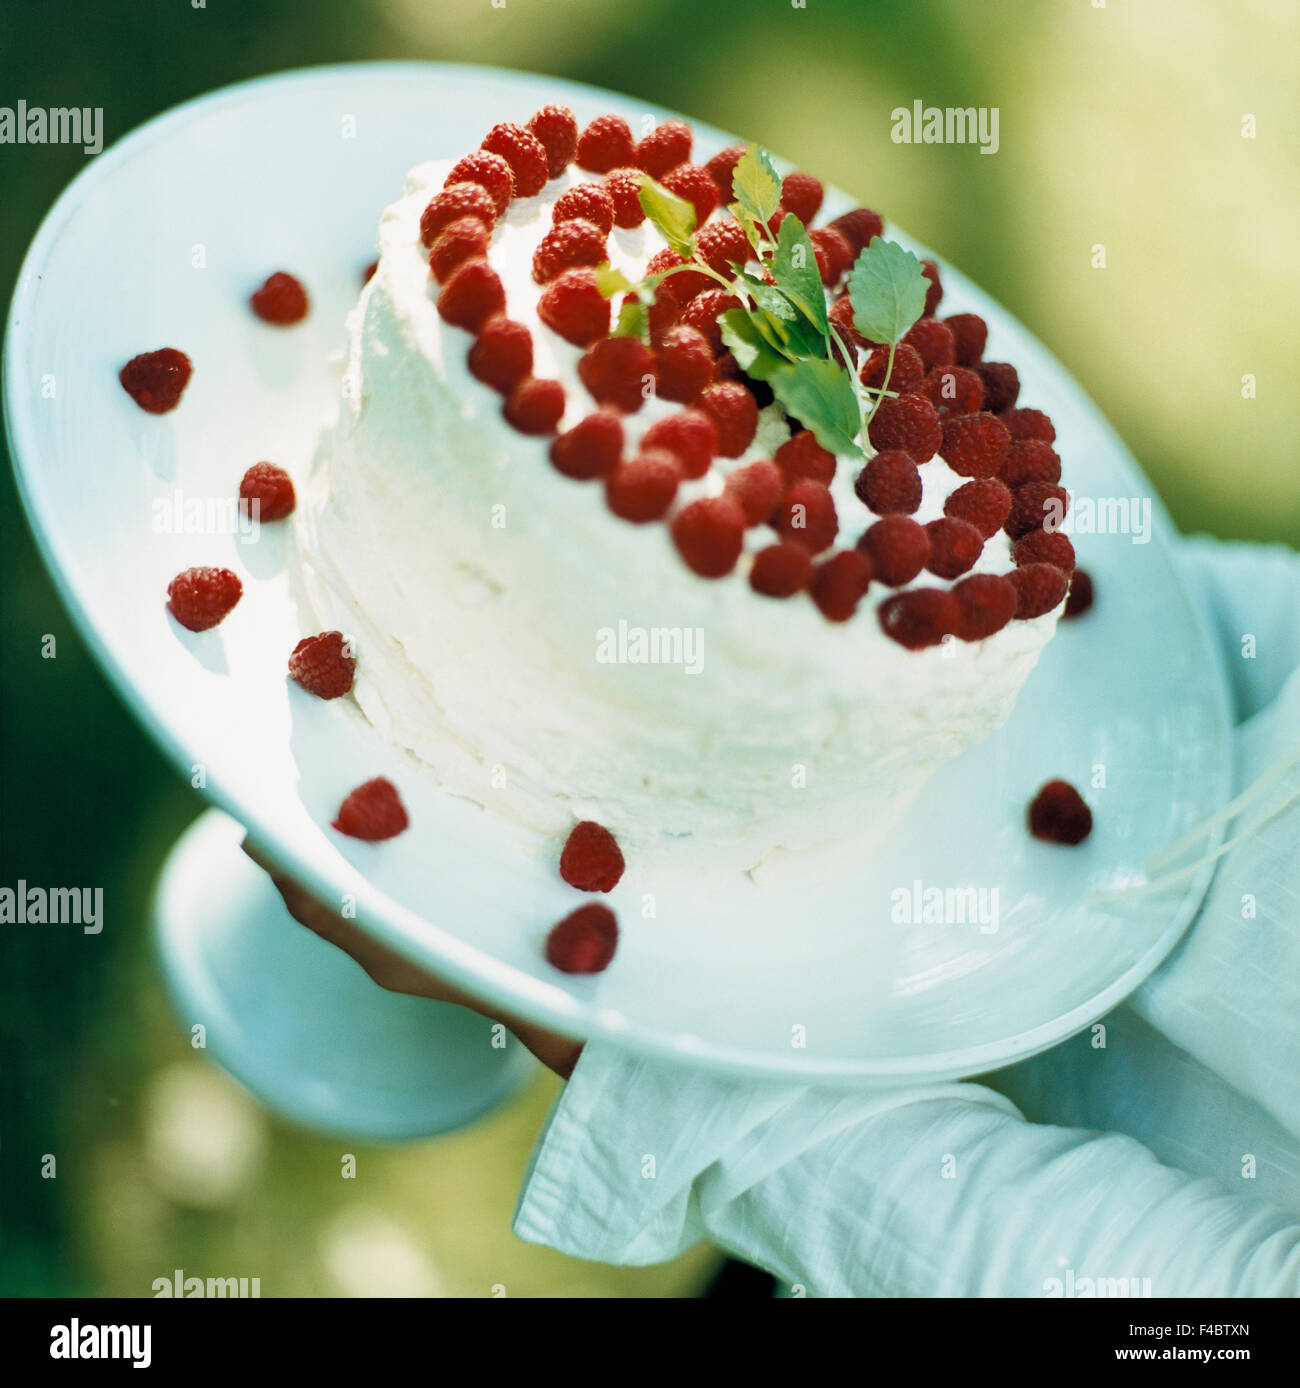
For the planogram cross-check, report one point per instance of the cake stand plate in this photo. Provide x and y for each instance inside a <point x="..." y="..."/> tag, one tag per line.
<point x="865" y="977"/>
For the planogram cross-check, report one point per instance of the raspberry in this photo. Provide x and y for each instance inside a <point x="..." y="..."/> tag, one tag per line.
<point x="1036" y="504"/>
<point x="664" y="311"/>
<point x="1030" y="460"/>
<point x="807" y="516"/>
<point x="909" y="423"/>
<point x="935" y="292"/>
<point x="839" y="583"/>
<point x="605" y="144"/>
<point x="1029" y="424"/>
<point x="535" y="407"/>
<point x="156" y="380"/>
<point x="269" y="486"/>
<point x="890" y="484"/>
<point x="591" y="448"/>
<point x="689" y="436"/>
<point x="709" y="535"/>
<point x="985" y="604"/>
<point x="722" y="168"/>
<point x="502" y="354"/>
<point x="567" y="246"/>
<point x="1057" y="814"/>
<point x="584" y="941"/>
<point x="1079" y="599"/>
<point x="801" y="456"/>
<point x="734" y="414"/>
<point x="984" y="503"/>
<point x="834" y="255"/>
<point x="841" y="315"/>
<point x="372" y="812"/>
<point x="685" y="363"/>
<point x="1039" y="588"/>
<point x="572" y="306"/>
<point x="780" y="570"/>
<point x="974" y="445"/>
<point x="587" y="202"/>
<point x="898" y="549"/>
<point x="464" y="239"/>
<point x="460" y="200"/>
<point x="722" y="244"/>
<point x="642" y="489"/>
<point x="969" y="334"/>
<point x="955" y="545"/>
<point x="686" y="284"/>
<point x="623" y="188"/>
<point x="954" y="390"/>
<point x="694" y="183"/>
<point x="703" y="312"/>
<point x="666" y="146"/>
<point x="592" y="860"/>
<point x="324" y="665"/>
<point x="281" y="300"/>
<point x="1001" y="384"/>
<point x="756" y="489"/>
<point x="1045" y="547"/>
<point x="802" y="194"/>
<point x="525" y="154"/>
<point x="933" y="340"/>
<point x="557" y="130"/>
<point x="859" y="228"/>
<point x="920" y="617"/>
<point x="908" y="375"/>
<point x="614" y="371"/>
<point x="200" y="598"/>
<point x="488" y="170"/>
<point x="472" y="295"/>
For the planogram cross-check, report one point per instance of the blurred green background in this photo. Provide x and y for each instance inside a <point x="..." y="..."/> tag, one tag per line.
<point x="1121" y="124"/>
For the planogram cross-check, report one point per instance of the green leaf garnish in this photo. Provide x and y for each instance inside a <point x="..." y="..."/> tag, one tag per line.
<point x="820" y="395"/>
<point x="633" y="321"/>
<point x="611" y="281"/>
<point x="794" y="267"/>
<point x="753" y="350"/>
<point x="672" y="217"/>
<point x="887" y="291"/>
<point x="767" y="296"/>
<point x="755" y="185"/>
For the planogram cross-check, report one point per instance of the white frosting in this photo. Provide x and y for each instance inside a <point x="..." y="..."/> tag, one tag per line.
<point x="475" y="580"/>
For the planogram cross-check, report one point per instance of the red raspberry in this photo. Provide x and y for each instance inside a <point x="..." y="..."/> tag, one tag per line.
<point x="898" y="549"/>
<point x="722" y="168"/>
<point x="859" y="228"/>
<point x="802" y="194"/>
<point x="566" y="247"/>
<point x="200" y="598"/>
<point x="623" y="188"/>
<point x="703" y="312"/>
<point x="686" y="284"/>
<point x="269" y="486"/>
<point x="156" y="380"/>
<point x="1045" y="547"/>
<point x="841" y="316"/>
<point x="584" y="941"/>
<point x="642" y="489"/>
<point x="890" y="484"/>
<point x="1036" y="504"/>
<point x="615" y="370"/>
<point x="722" y="244"/>
<point x="984" y="503"/>
<point x="605" y="144"/>
<point x="696" y="185"/>
<point x="807" y="516"/>
<point x="734" y="414"/>
<point x="666" y="146"/>
<point x="372" y="812"/>
<point x="954" y="390"/>
<point x="1057" y="814"/>
<point x="909" y="423"/>
<point x="985" y="604"/>
<point x="756" y="489"/>
<point x="834" y="255"/>
<point x="472" y="295"/>
<point x="557" y="130"/>
<point x="908" y="375"/>
<point x="690" y="436"/>
<point x="1001" y="384"/>
<point x="1030" y="460"/>
<point x="1029" y="424"/>
<point x="502" y="355"/>
<point x="525" y="154"/>
<point x="591" y="448"/>
<point x="592" y="860"/>
<point x="587" y="202"/>
<point x="935" y="292"/>
<point x="490" y="171"/>
<point x="1039" y="588"/>
<point x="709" y="535"/>
<point x="464" y="239"/>
<point x="839" y="584"/>
<point x="974" y="445"/>
<point x="920" y="617"/>
<point x="281" y="300"/>
<point x="460" y="200"/>
<point x="664" y="311"/>
<point x="955" y="545"/>
<point x="801" y="456"/>
<point x="933" y="340"/>
<point x="572" y="306"/>
<point x="685" y="364"/>
<point x="535" y="407"/>
<point x="1079" y="599"/>
<point x="324" y="665"/>
<point x="780" y="570"/>
<point x="969" y="334"/>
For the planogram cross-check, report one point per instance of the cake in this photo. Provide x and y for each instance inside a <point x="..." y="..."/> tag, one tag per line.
<point x="568" y="607"/>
